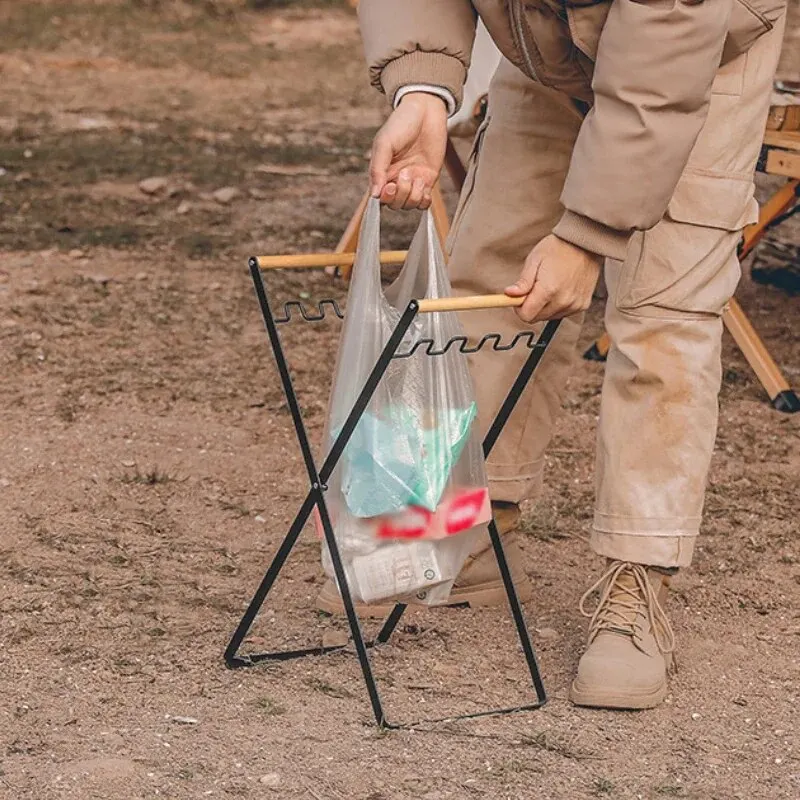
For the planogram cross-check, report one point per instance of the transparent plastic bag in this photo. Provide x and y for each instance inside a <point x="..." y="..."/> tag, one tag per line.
<point x="409" y="495"/>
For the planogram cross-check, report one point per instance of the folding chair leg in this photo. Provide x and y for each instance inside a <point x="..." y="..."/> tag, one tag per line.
<point x="780" y="393"/>
<point x="769" y="215"/>
<point x="349" y="239"/>
<point x="454" y="165"/>
<point x="599" y="348"/>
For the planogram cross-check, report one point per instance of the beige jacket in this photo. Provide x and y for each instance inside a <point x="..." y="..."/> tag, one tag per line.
<point x="645" y="66"/>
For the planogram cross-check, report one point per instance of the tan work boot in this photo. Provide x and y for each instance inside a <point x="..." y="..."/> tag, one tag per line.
<point x="478" y="584"/>
<point x="630" y="640"/>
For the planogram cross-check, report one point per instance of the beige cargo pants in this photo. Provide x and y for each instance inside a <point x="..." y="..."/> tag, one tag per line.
<point x="659" y="404"/>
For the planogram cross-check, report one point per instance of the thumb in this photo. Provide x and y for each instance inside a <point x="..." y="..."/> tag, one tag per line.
<point x="524" y="284"/>
<point x="379" y="164"/>
<point x="527" y="278"/>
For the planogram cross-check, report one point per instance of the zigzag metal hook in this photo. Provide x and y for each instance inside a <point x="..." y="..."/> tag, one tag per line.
<point x="426" y="346"/>
<point x="309" y="316"/>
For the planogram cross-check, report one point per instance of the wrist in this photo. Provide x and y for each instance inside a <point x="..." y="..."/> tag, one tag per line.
<point x="580" y="250"/>
<point x="429" y="97"/>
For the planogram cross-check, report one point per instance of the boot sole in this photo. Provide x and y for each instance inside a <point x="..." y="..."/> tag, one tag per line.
<point x="483" y="595"/>
<point x="597" y="698"/>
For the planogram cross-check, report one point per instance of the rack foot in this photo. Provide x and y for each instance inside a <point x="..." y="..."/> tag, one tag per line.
<point x="786" y="401"/>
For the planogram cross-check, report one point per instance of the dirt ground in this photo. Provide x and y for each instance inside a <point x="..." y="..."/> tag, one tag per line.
<point x="148" y="471"/>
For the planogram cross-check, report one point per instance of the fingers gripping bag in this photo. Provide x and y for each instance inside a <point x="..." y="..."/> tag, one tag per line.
<point x="409" y="495"/>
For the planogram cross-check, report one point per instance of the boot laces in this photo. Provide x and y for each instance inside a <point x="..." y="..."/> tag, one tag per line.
<point x="623" y="605"/>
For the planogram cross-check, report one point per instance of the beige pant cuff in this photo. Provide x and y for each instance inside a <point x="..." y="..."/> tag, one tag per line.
<point x="515" y="483"/>
<point x="657" y="550"/>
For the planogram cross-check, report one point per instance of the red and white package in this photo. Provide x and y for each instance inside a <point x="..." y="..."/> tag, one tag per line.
<point x="459" y="510"/>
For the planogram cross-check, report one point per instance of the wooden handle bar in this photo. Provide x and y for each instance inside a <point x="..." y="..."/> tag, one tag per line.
<point x="324" y="259"/>
<point x="470" y="303"/>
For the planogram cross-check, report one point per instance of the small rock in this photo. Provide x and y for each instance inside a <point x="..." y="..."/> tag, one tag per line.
<point x="95" y="124"/>
<point x="695" y="715"/>
<point x="256" y="194"/>
<point x="128" y="462"/>
<point x="76" y="254"/>
<point x="259" y="518"/>
<point x="226" y="195"/>
<point x="141" y="276"/>
<point x="103" y="280"/>
<point x="28" y="153"/>
<point x="3" y="171"/>
<point x="547" y="633"/>
<point x="5" y="482"/>
<point x="185" y="720"/>
<point x="332" y="638"/>
<point x="153" y="185"/>
<point x="184" y="208"/>
<point x="273" y="780"/>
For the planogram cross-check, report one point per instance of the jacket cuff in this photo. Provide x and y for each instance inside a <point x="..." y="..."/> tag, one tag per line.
<point x="434" y="69"/>
<point x="592" y="235"/>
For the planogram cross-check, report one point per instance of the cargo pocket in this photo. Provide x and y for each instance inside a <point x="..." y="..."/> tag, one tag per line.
<point x="687" y="263"/>
<point x="468" y="188"/>
<point x="729" y="79"/>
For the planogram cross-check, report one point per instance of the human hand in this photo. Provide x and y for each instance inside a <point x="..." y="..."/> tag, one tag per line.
<point x="558" y="280"/>
<point x="408" y="152"/>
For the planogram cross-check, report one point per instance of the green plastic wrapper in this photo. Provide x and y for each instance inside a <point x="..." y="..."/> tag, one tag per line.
<point x="392" y="462"/>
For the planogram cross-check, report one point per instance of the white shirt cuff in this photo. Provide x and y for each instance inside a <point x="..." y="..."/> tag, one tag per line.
<point x="427" y="88"/>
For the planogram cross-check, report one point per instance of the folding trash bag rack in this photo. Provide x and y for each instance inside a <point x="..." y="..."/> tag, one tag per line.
<point x="318" y="476"/>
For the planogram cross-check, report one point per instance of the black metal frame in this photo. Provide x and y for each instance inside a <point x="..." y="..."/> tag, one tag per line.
<point x="318" y="478"/>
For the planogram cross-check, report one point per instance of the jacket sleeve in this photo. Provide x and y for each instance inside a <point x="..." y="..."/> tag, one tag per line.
<point x="418" y="42"/>
<point x="656" y="62"/>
